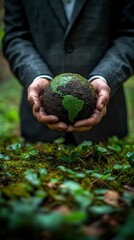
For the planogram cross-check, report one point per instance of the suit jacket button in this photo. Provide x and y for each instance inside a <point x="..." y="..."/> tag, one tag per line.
<point x="69" y="49"/>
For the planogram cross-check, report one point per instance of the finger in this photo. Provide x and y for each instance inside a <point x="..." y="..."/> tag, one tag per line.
<point x="93" y="120"/>
<point x="103" y="99"/>
<point x="97" y="116"/>
<point x="34" y="92"/>
<point x="78" y="129"/>
<point x="33" y="99"/>
<point x="60" y="126"/>
<point x="43" y="118"/>
<point x="35" y="87"/>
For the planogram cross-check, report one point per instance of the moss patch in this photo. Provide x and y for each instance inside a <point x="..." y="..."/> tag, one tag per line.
<point x="51" y="189"/>
<point x="74" y="107"/>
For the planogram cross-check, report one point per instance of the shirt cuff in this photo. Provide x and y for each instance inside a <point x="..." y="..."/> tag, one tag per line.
<point x="97" y="76"/>
<point x="43" y="76"/>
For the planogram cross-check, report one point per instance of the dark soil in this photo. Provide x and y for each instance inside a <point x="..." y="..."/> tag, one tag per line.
<point x="53" y="101"/>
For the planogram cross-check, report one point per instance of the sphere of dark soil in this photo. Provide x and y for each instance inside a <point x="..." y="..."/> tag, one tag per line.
<point x="70" y="97"/>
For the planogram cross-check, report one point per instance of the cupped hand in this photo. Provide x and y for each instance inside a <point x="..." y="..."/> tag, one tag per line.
<point x="35" y="94"/>
<point x="103" y="94"/>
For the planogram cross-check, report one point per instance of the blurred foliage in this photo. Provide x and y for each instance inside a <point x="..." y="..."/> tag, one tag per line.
<point x="44" y="196"/>
<point x="9" y="107"/>
<point x="4" y="67"/>
<point x="1" y="22"/>
<point x="129" y="94"/>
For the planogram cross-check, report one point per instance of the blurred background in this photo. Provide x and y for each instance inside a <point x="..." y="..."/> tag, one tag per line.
<point x="10" y="92"/>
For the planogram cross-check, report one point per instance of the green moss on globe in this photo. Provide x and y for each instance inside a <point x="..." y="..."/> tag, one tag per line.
<point x="70" y="97"/>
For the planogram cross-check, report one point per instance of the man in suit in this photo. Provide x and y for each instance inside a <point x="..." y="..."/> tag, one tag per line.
<point x="93" y="38"/>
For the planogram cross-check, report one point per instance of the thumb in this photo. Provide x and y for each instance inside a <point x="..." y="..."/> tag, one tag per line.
<point x="36" y="106"/>
<point x="101" y="106"/>
<point x="34" y="102"/>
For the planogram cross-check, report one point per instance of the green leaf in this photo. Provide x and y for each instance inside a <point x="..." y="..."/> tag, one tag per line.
<point x="97" y="175"/>
<point x="31" y="177"/>
<point x="65" y="158"/>
<point x="25" y="156"/>
<point x="14" y="146"/>
<point x="59" y="197"/>
<point x="84" y="145"/>
<point x="100" y="210"/>
<point x="101" y="150"/>
<point x="59" y="140"/>
<point x="79" y="175"/>
<point x="117" y="167"/>
<point x="62" y="168"/>
<point x="89" y="171"/>
<point x="51" y="221"/>
<point x="100" y="191"/>
<point x="130" y="156"/>
<point x="108" y="177"/>
<point x="115" y="148"/>
<point x="75" y="217"/>
<point x="54" y="180"/>
<point x="126" y="166"/>
<point x="71" y="185"/>
<point x="83" y="199"/>
<point x="73" y="156"/>
<point x="41" y="194"/>
<point x="33" y="152"/>
<point x="4" y="157"/>
<point x="128" y="197"/>
<point x="42" y="173"/>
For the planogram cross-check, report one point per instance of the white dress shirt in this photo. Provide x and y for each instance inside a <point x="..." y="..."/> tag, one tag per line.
<point x="68" y="6"/>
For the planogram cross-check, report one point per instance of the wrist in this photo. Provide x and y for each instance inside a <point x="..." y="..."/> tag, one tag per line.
<point x="97" y="77"/>
<point x="43" y="77"/>
<point x="41" y="81"/>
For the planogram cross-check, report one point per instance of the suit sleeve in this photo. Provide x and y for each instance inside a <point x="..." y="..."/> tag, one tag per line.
<point x="117" y="65"/>
<point x="18" y="47"/>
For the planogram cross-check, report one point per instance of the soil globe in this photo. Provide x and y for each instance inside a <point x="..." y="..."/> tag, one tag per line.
<point x="70" y="97"/>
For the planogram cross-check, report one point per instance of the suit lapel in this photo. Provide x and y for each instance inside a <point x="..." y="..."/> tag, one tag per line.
<point x="59" y="12"/>
<point x="77" y="8"/>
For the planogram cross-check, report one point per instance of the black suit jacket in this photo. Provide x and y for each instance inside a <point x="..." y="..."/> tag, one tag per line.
<point x="99" y="40"/>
